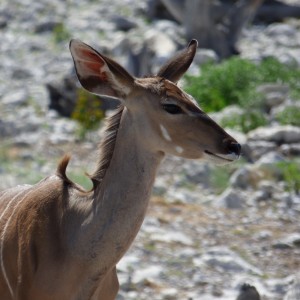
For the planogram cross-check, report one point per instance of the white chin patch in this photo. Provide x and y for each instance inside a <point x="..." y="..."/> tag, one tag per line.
<point x="178" y="149"/>
<point x="220" y="159"/>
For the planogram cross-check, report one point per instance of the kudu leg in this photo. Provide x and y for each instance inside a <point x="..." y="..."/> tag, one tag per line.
<point x="109" y="287"/>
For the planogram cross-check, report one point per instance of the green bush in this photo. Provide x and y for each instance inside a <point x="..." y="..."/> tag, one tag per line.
<point x="87" y="112"/>
<point x="219" y="179"/>
<point x="291" y="174"/>
<point x="289" y="116"/>
<point x="223" y="84"/>
<point x="271" y="70"/>
<point x="245" y="122"/>
<point x="61" y="33"/>
<point x="234" y="81"/>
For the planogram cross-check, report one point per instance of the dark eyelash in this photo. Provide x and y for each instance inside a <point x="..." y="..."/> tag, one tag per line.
<point x="172" y="109"/>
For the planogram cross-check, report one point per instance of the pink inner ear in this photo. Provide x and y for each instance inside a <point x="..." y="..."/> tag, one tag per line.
<point x="91" y="64"/>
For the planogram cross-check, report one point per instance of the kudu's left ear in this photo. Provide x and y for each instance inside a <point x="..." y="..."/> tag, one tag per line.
<point x="174" y="69"/>
<point x="99" y="74"/>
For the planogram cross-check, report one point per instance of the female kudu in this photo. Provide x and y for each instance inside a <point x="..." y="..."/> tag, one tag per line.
<point x="59" y="242"/>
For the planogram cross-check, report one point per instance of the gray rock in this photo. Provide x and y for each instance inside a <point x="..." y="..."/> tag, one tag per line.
<point x="279" y="29"/>
<point x="270" y="158"/>
<point x="169" y="294"/>
<point x="46" y="26"/>
<point x="293" y="292"/>
<point x="279" y="285"/>
<point x="232" y="199"/>
<point x="265" y="191"/>
<point x="8" y="128"/>
<point x="204" y="56"/>
<point x="263" y="235"/>
<point x="15" y="98"/>
<point x="21" y="73"/>
<point x="225" y="260"/>
<point x="245" y="177"/>
<point x="28" y="140"/>
<point x="285" y="108"/>
<point x="285" y="134"/>
<point x="197" y="173"/>
<point x="273" y="99"/>
<point x="274" y="94"/>
<point x="62" y="131"/>
<point x="171" y="237"/>
<point x="290" y="149"/>
<point x="127" y="263"/>
<point x="171" y="29"/>
<point x="139" y="61"/>
<point x="256" y="149"/>
<point x="161" y="45"/>
<point x="248" y="292"/>
<point x="227" y="113"/>
<point x="270" y="88"/>
<point x="123" y="23"/>
<point x="292" y="240"/>
<point x="182" y="195"/>
<point x="261" y="196"/>
<point x="63" y="95"/>
<point x="149" y="274"/>
<point x="3" y="21"/>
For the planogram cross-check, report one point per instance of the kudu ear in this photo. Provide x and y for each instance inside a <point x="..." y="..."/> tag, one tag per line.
<point x="174" y="69"/>
<point x="99" y="74"/>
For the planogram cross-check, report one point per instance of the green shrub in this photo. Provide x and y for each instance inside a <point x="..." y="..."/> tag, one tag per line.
<point x="271" y="70"/>
<point x="246" y="122"/>
<point x="223" y="84"/>
<point x="234" y="81"/>
<point x="289" y="116"/>
<point x="87" y="112"/>
<point x="219" y="179"/>
<point x="60" y="33"/>
<point x="291" y="174"/>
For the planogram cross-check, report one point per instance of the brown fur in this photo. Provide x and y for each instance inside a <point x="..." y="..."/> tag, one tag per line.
<point x="107" y="146"/>
<point x="33" y="234"/>
<point x="61" y="172"/>
<point x="106" y="150"/>
<point x="62" y="168"/>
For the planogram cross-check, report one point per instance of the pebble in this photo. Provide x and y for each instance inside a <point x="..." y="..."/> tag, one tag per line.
<point x="225" y="260"/>
<point x="231" y="199"/>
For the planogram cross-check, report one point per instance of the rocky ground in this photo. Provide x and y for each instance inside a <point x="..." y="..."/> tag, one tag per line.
<point x="208" y="229"/>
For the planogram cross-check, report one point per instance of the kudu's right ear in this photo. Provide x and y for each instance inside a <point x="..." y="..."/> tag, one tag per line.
<point x="174" y="69"/>
<point x="99" y="74"/>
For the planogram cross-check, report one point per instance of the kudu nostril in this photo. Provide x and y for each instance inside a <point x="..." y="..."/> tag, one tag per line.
<point x="235" y="148"/>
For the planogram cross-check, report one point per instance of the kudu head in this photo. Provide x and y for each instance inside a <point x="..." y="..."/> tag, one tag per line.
<point x="165" y="118"/>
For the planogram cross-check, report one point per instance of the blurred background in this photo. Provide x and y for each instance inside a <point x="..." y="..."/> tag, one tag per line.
<point x="209" y="229"/>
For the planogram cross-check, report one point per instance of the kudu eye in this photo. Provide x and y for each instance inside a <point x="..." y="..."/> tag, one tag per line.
<point x="172" y="109"/>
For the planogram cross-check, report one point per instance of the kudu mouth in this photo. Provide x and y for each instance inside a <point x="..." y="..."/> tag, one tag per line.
<point x="233" y="152"/>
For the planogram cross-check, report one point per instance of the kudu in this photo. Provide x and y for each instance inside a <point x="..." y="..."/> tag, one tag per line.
<point x="60" y="242"/>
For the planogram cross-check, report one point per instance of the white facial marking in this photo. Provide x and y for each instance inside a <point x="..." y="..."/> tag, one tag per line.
<point x="178" y="149"/>
<point x="165" y="133"/>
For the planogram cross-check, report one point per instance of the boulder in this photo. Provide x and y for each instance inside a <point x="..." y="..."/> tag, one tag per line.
<point x="225" y="260"/>
<point x="283" y="134"/>
<point x="232" y="199"/>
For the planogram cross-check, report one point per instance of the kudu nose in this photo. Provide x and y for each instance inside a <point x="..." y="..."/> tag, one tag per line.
<point x="234" y="148"/>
